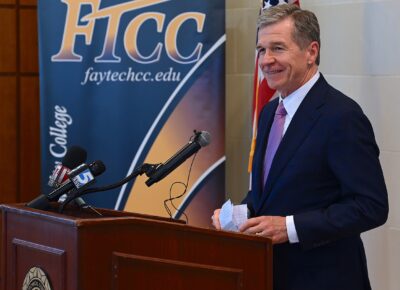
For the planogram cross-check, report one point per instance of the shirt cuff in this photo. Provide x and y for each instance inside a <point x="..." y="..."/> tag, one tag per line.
<point x="291" y="230"/>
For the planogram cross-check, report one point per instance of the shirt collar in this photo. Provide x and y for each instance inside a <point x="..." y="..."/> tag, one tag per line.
<point x="293" y="101"/>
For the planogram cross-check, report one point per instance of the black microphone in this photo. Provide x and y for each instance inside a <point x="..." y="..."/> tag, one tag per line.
<point x="201" y="139"/>
<point x="79" y="177"/>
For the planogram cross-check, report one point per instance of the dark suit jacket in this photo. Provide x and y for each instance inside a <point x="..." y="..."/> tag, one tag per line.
<point x="326" y="173"/>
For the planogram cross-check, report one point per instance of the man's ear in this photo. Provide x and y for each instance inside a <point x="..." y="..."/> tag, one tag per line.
<point x="313" y="51"/>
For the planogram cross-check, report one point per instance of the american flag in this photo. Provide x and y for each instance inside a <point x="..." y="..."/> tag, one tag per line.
<point x="262" y="94"/>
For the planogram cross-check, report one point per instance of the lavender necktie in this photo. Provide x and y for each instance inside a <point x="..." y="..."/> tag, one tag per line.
<point x="275" y="137"/>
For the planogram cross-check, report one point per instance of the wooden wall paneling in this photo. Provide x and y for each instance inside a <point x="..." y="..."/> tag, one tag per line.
<point x="8" y="45"/>
<point x="29" y="132"/>
<point x="28" y="40"/>
<point x="19" y="111"/>
<point x="29" y="102"/>
<point x="8" y="139"/>
<point x="28" y="2"/>
<point x="8" y="1"/>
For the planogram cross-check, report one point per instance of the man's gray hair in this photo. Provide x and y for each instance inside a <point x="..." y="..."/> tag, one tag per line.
<point x="306" y="27"/>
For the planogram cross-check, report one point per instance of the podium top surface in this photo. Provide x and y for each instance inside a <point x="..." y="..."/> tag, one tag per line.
<point x="77" y="217"/>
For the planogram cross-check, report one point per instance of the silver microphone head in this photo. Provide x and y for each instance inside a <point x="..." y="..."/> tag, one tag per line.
<point x="204" y="138"/>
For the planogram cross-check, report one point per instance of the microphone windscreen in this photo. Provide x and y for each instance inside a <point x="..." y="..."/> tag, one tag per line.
<point x="204" y="138"/>
<point x="97" y="167"/>
<point x="74" y="157"/>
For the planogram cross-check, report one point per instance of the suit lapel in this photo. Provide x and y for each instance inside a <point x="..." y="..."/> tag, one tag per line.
<point x="303" y="121"/>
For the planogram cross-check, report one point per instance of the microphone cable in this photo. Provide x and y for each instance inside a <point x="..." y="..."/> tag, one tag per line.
<point x="172" y="198"/>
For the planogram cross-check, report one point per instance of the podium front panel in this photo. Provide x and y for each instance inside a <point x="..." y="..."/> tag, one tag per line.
<point x="32" y="262"/>
<point x="132" y="272"/>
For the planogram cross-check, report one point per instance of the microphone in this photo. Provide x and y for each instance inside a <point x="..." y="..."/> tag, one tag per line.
<point x="83" y="175"/>
<point x="201" y="139"/>
<point x="155" y="171"/>
<point x="79" y="177"/>
<point x="75" y="156"/>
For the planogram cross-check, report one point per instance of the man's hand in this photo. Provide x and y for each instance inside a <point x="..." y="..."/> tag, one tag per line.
<point x="273" y="227"/>
<point x="215" y="219"/>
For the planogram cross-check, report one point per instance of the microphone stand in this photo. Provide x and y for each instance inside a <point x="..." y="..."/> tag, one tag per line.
<point x="146" y="168"/>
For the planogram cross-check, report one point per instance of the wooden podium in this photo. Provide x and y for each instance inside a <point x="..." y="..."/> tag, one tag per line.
<point x="81" y="250"/>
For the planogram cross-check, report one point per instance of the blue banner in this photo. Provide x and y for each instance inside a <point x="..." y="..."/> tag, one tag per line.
<point x="129" y="81"/>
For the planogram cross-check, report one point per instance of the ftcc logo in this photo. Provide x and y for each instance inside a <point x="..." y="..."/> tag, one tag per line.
<point x="75" y="25"/>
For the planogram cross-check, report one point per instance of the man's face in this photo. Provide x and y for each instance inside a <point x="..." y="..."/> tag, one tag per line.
<point x="284" y="64"/>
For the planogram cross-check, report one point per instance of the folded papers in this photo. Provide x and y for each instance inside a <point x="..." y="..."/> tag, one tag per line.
<point x="231" y="217"/>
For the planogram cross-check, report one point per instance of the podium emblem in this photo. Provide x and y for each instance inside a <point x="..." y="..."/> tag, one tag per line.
<point x="36" y="279"/>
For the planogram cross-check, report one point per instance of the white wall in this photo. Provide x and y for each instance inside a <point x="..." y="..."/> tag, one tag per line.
<point x="360" y="56"/>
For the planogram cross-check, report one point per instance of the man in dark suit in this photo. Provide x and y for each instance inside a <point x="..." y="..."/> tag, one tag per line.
<point x="317" y="182"/>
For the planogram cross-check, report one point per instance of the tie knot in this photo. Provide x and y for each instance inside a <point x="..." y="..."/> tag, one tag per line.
<point x="281" y="110"/>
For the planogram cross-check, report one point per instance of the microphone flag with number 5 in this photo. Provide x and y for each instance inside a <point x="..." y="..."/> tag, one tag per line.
<point x="129" y="81"/>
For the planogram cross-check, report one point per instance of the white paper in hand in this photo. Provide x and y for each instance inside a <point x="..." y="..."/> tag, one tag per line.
<point x="225" y="217"/>
<point x="240" y="214"/>
<point x="232" y="217"/>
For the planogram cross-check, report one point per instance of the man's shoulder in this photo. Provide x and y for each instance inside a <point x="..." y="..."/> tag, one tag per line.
<point x="338" y="101"/>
